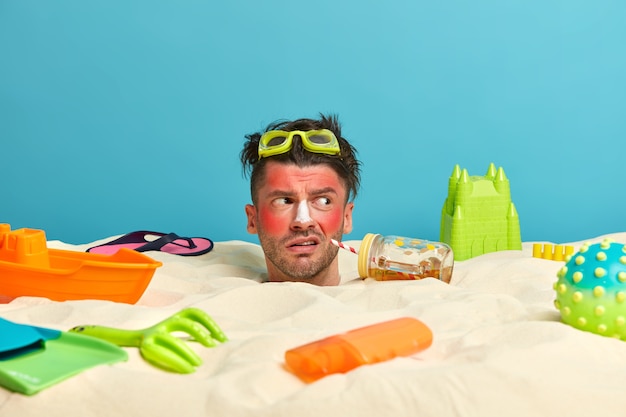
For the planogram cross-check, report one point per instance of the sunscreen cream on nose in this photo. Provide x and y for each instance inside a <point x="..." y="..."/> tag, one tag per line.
<point x="303" y="212"/>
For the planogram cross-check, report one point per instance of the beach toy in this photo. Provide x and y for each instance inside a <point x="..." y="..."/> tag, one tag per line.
<point x="157" y="346"/>
<point x="591" y="289"/>
<point x="33" y="358"/>
<point x="548" y="252"/>
<point x="29" y="268"/>
<point x="478" y="215"/>
<point x="366" y="345"/>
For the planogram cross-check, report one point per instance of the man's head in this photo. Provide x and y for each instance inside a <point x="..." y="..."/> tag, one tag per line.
<point x="302" y="186"/>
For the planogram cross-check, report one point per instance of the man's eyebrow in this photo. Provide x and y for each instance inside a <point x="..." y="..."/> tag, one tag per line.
<point x="319" y="191"/>
<point x="325" y="190"/>
<point x="280" y="193"/>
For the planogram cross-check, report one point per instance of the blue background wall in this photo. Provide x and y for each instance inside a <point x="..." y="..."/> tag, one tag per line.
<point x="124" y="115"/>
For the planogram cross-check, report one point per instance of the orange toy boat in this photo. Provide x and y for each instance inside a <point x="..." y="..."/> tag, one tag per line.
<point x="29" y="268"/>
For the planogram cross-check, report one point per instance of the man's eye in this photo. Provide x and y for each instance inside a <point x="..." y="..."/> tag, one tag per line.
<point x="323" y="201"/>
<point x="282" y="201"/>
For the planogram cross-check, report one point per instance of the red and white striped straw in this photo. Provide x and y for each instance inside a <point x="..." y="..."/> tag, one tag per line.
<point x="344" y="246"/>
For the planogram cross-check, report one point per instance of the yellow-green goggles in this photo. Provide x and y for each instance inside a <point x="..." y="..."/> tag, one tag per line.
<point x="276" y="142"/>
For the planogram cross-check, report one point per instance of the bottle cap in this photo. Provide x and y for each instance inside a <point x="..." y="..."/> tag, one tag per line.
<point x="364" y="254"/>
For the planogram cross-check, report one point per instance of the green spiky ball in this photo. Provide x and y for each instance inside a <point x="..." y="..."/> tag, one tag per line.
<point x="591" y="289"/>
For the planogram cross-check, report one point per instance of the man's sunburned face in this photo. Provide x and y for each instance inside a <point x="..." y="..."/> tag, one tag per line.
<point x="298" y="210"/>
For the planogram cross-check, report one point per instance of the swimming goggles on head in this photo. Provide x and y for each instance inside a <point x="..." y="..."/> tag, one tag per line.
<point x="276" y="142"/>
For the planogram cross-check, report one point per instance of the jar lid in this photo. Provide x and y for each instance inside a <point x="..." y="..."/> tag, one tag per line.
<point x="364" y="254"/>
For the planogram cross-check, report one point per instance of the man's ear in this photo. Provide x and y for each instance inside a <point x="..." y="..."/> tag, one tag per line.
<point x="251" y="214"/>
<point x="347" y="218"/>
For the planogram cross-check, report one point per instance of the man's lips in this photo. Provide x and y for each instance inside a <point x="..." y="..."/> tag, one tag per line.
<point x="304" y="244"/>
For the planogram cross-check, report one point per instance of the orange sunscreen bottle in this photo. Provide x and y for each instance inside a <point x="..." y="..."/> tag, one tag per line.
<point x="366" y="345"/>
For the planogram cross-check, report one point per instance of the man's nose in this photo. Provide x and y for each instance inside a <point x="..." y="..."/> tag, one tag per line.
<point x="303" y="216"/>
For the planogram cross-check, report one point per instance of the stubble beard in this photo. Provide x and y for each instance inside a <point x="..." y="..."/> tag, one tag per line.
<point x="304" y="267"/>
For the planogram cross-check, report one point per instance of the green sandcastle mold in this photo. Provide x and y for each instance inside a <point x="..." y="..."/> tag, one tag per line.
<point x="478" y="215"/>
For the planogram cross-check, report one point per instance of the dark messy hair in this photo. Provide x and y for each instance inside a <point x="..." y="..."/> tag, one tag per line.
<point x="345" y="165"/>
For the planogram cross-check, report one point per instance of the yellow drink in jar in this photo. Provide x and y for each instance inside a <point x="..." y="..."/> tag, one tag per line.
<point x="386" y="258"/>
